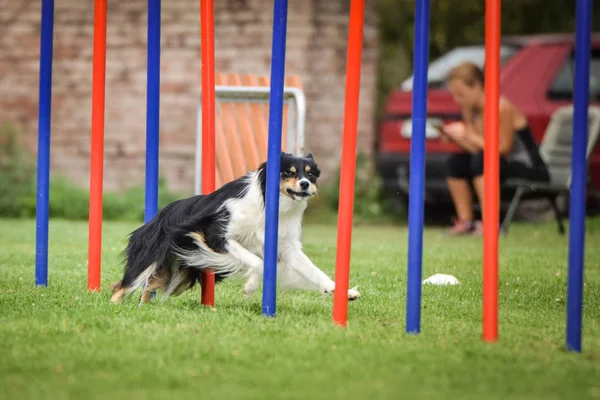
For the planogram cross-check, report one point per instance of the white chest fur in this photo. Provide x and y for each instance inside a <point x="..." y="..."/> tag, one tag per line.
<point x="247" y="221"/>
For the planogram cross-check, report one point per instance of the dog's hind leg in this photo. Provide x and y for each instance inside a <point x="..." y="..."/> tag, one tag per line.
<point x="130" y="283"/>
<point x="158" y="280"/>
<point x="180" y="280"/>
<point x="118" y="292"/>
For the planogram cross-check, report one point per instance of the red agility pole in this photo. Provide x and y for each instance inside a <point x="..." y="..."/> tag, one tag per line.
<point x="207" y="17"/>
<point x="348" y="167"/>
<point x="97" y="147"/>
<point x="491" y="174"/>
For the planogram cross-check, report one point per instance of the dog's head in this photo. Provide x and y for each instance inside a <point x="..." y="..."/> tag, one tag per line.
<point x="298" y="176"/>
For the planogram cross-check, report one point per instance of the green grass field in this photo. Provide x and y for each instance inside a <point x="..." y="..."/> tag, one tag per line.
<point x="62" y="342"/>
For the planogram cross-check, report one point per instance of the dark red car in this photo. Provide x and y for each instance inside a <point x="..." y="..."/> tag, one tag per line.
<point x="536" y="75"/>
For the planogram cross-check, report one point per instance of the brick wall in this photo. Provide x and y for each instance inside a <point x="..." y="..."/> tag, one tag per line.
<point x="316" y="51"/>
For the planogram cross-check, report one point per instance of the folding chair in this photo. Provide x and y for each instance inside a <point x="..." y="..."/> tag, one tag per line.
<point x="555" y="150"/>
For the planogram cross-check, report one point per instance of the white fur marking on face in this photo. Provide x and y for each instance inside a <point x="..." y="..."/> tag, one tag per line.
<point x="303" y="180"/>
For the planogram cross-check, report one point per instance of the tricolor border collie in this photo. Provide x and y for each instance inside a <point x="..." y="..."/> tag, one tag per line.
<point x="224" y="231"/>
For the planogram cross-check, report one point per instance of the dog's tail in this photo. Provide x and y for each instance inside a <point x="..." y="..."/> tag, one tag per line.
<point x="146" y="253"/>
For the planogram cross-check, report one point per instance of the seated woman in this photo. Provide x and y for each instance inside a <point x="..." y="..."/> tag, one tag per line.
<point x="519" y="155"/>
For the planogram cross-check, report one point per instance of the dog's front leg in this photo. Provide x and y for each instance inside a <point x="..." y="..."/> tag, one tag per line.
<point x="302" y="273"/>
<point x="250" y="260"/>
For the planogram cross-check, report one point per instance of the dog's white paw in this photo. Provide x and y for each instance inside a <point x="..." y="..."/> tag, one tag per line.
<point x="353" y="294"/>
<point x="251" y="285"/>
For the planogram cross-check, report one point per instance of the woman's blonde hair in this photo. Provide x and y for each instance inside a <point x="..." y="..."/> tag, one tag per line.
<point x="468" y="72"/>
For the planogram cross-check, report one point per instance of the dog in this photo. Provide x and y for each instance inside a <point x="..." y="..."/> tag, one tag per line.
<point x="224" y="232"/>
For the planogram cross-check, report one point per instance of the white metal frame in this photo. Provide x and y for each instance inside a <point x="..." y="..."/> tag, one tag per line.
<point x="253" y="94"/>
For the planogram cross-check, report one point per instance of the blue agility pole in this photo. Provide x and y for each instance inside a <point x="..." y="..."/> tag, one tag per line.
<point x="417" y="168"/>
<point x="43" y="162"/>
<point x="274" y="157"/>
<point x="152" y="110"/>
<point x="579" y="174"/>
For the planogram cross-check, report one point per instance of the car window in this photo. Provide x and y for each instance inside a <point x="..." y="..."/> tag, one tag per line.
<point x="439" y="68"/>
<point x="562" y="86"/>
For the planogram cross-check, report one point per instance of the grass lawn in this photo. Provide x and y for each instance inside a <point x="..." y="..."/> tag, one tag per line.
<point x="62" y="342"/>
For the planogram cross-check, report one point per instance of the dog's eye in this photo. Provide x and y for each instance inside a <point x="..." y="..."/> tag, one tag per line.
<point x="288" y="174"/>
<point x="310" y="174"/>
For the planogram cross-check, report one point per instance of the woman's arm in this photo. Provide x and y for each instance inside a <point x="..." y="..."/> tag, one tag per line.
<point x="505" y="132"/>
<point x="506" y="129"/>
<point x="472" y="138"/>
<point x="472" y="141"/>
<point x="459" y="132"/>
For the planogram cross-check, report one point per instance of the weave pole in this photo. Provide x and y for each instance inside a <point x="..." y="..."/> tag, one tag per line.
<point x="152" y="110"/>
<point x="97" y="147"/>
<point x="583" y="31"/>
<point x="207" y="40"/>
<point x="274" y="157"/>
<point x="348" y="165"/>
<point x="43" y="159"/>
<point x="416" y="201"/>
<point x="491" y="171"/>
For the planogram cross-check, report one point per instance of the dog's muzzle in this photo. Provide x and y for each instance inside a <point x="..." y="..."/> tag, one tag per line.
<point x="304" y="191"/>
<point x="302" y="194"/>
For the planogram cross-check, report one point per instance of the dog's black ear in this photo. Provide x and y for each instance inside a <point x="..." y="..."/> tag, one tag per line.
<point x="310" y="155"/>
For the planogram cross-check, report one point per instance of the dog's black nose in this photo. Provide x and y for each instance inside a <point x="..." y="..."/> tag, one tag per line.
<point x="304" y="185"/>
